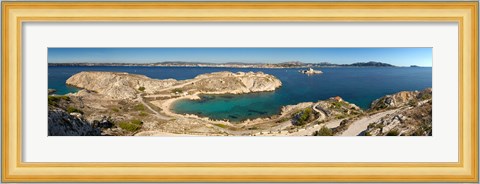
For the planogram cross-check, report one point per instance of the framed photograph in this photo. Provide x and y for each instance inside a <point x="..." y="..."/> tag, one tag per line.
<point x="240" y="91"/>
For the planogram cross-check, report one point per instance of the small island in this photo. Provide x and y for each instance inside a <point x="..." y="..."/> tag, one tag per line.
<point x="311" y="71"/>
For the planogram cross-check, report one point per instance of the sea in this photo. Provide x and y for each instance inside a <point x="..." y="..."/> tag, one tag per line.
<point x="356" y="85"/>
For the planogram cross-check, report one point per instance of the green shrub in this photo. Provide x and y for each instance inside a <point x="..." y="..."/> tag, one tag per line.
<point x="354" y="112"/>
<point x="380" y="104"/>
<point x="303" y="116"/>
<point x="426" y="96"/>
<point x="136" y="122"/>
<point x="324" y="131"/>
<point x="142" y="114"/>
<point x="220" y="125"/>
<point x="413" y="102"/>
<point x="115" y="110"/>
<point x="129" y="126"/>
<point x="177" y="90"/>
<point x="141" y="88"/>
<point x="73" y="109"/>
<point x="338" y="105"/>
<point x="393" y="133"/>
<point x="283" y="120"/>
<point x="340" y="116"/>
<point x="53" y="100"/>
<point x="139" y="107"/>
<point x="371" y="125"/>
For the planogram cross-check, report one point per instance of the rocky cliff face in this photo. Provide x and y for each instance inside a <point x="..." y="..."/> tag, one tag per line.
<point x="60" y="123"/>
<point x="125" y="86"/>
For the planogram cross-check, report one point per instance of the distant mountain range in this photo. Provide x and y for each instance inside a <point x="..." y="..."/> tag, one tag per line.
<point x="327" y="64"/>
<point x="291" y="64"/>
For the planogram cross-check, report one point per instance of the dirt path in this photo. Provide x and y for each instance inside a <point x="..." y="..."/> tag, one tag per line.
<point x="172" y="87"/>
<point x="140" y="99"/>
<point x="320" y="111"/>
<point x="309" y="130"/>
<point x="360" y="125"/>
<point x="333" y="123"/>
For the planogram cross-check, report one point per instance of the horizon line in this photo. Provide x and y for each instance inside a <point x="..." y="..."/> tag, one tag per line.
<point x="232" y="62"/>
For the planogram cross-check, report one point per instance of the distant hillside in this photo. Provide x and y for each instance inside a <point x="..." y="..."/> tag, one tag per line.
<point x="371" y="64"/>
<point x="290" y="64"/>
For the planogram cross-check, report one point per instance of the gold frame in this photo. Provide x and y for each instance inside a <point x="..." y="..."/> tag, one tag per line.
<point x="16" y="13"/>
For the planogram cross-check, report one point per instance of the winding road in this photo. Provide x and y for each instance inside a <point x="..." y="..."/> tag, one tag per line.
<point x="309" y="130"/>
<point x="360" y="125"/>
<point x="320" y="111"/>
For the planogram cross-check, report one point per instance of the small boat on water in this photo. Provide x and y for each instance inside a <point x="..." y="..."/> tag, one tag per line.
<point x="311" y="71"/>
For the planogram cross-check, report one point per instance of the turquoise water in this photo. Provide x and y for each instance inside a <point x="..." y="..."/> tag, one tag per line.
<point x="357" y="85"/>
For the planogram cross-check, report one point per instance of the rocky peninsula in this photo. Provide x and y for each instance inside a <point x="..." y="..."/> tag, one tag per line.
<point x="113" y="103"/>
<point x="128" y="86"/>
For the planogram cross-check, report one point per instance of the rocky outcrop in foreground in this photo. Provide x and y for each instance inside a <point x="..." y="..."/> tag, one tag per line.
<point x="401" y="99"/>
<point x="124" y="86"/>
<point x="60" y="123"/>
<point x="416" y="121"/>
<point x="413" y="117"/>
<point x="406" y="113"/>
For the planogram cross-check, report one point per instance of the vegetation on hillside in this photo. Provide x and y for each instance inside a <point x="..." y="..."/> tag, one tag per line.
<point x="324" y="131"/>
<point x="131" y="126"/>
<point x="55" y="100"/>
<point x="302" y="117"/>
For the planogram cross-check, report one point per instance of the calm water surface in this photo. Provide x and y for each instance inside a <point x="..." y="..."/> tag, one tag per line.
<point x="356" y="85"/>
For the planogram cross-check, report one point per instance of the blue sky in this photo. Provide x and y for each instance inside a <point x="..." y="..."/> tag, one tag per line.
<point x="395" y="56"/>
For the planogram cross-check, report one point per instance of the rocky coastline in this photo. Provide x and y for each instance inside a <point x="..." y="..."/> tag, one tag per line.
<point x="113" y="103"/>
